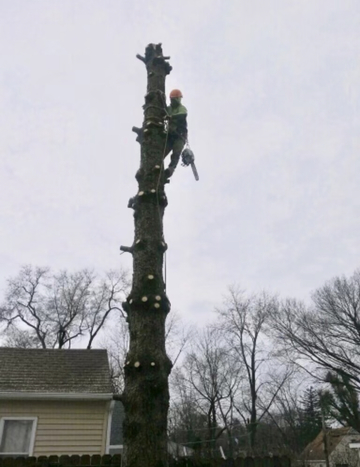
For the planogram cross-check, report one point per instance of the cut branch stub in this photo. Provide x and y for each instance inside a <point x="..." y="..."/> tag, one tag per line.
<point x="140" y="57"/>
<point x="132" y="203"/>
<point x="139" y="244"/>
<point x="146" y="195"/>
<point x="139" y="175"/>
<point x="163" y="246"/>
<point x="136" y="130"/>
<point x="139" y="132"/>
<point x="154" y="123"/>
<point x="163" y="201"/>
<point x="127" y="249"/>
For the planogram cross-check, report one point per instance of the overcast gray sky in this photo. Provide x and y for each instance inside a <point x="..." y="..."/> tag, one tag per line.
<point x="272" y="90"/>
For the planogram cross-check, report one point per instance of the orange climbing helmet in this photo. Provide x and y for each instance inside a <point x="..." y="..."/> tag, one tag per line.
<point x="175" y="93"/>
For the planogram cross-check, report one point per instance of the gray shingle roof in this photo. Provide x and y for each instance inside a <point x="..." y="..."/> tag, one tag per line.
<point x="54" y="371"/>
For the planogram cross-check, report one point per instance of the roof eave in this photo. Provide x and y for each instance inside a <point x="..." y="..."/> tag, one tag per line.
<point x="23" y="395"/>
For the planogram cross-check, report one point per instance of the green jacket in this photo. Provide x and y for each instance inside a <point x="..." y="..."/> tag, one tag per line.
<point x="177" y="122"/>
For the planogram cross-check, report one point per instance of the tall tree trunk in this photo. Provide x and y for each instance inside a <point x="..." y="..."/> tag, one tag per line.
<point x="212" y="428"/>
<point x="253" y="392"/>
<point x="253" y="420"/>
<point x="147" y="367"/>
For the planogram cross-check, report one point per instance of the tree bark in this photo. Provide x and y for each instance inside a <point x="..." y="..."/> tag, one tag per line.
<point x="147" y="367"/>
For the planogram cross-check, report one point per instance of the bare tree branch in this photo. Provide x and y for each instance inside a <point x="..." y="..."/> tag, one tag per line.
<point x="55" y="309"/>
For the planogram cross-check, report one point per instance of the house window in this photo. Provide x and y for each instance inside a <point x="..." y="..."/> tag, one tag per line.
<point x="17" y="436"/>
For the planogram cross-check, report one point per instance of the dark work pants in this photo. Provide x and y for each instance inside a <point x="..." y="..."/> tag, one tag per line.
<point x="175" y="144"/>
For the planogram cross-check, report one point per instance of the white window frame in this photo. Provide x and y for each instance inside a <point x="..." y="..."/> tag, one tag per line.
<point x="32" y="436"/>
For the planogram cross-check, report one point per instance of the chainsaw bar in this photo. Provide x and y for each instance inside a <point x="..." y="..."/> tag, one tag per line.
<point x="195" y="172"/>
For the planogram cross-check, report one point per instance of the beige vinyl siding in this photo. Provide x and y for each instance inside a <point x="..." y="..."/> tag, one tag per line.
<point x="64" y="427"/>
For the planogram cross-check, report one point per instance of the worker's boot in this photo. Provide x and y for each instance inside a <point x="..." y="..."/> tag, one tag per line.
<point x="169" y="171"/>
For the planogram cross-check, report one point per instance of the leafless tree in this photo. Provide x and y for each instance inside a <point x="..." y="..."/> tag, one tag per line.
<point x="326" y="334"/>
<point x="52" y="310"/>
<point x="21" y="338"/>
<point x="211" y="374"/>
<point x="244" y="321"/>
<point x="294" y="418"/>
<point x="116" y="342"/>
<point x="187" y="423"/>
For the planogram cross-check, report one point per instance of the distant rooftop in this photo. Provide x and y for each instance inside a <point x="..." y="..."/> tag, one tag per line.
<point x="315" y="449"/>
<point x="54" y="371"/>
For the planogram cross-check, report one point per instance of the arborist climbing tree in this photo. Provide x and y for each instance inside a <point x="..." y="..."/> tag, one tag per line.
<point x="177" y="130"/>
<point x="178" y="135"/>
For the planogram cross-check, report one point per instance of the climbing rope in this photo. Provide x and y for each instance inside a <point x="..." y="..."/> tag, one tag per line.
<point x="158" y="202"/>
<point x="157" y="186"/>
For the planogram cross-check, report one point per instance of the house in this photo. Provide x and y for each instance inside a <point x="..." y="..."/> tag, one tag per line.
<point x="60" y="402"/>
<point x="339" y="451"/>
<point x="54" y="402"/>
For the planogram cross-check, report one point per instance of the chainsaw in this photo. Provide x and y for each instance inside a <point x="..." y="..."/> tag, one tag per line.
<point x="188" y="158"/>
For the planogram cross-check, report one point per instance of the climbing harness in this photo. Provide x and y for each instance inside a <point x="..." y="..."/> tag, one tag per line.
<point x="188" y="158"/>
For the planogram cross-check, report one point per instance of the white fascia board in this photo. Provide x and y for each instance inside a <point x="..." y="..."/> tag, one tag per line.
<point x="108" y="434"/>
<point x="55" y="396"/>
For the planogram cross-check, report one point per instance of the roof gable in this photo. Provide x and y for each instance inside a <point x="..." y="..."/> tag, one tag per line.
<point x="49" y="371"/>
<point x="315" y="449"/>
